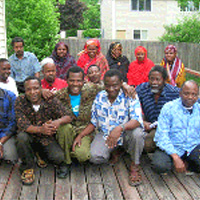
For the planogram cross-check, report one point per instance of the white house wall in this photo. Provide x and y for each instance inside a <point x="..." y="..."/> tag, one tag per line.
<point x="3" y="51"/>
<point x="162" y="12"/>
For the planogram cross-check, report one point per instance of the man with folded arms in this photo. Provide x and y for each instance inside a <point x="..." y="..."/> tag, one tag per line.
<point x="38" y="120"/>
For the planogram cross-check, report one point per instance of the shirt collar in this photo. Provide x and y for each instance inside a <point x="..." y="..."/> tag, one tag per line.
<point x="24" y="56"/>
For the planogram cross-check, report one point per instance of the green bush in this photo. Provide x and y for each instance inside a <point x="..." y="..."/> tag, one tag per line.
<point x="71" y="33"/>
<point x="36" y="22"/>
<point x="92" y="33"/>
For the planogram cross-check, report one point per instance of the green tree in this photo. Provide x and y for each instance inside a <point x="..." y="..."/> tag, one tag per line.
<point x="36" y="22"/>
<point x="71" y="14"/>
<point x="185" y="3"/>
<point x="91" y="17"/>
<point x="90" y="2"/>
<point x="187" y="30"/>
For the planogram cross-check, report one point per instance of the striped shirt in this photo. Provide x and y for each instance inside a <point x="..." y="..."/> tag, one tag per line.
<point x="178" y="130"/>
<point x="150" y="108"/>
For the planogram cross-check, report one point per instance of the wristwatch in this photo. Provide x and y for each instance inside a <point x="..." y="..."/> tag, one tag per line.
<point x="123" y="127"/>
<point x="1" y="144"/>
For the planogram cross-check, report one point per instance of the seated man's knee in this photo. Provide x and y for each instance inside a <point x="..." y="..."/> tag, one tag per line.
<point x="81" y="154"/>
<point x="99" y="158"/>
<point x="22" y="137"/>
<point x="161" y="163"/>
<point x="138" y="134"/>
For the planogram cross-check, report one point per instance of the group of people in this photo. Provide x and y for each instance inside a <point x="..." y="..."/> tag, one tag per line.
<point x="89" y="110"/>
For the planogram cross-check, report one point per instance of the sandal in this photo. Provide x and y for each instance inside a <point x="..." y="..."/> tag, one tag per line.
<point x="28" y="177"/>
<point x="40" y="163"/>
<point x="135" y="177"/>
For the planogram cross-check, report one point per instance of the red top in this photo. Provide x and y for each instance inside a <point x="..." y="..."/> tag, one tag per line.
<point x="139" y="70"/>
<point x="57" y="84"/>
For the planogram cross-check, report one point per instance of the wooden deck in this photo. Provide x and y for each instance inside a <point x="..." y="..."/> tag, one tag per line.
<point x="98" y="182"/>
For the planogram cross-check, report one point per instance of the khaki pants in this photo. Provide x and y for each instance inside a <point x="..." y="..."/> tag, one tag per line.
<point x="149" y="145"/>
<point x="66" y="136"/>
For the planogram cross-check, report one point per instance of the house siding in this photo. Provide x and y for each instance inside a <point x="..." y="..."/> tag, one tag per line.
<point x="3" y="49"/>
<point x="163" y="12"/>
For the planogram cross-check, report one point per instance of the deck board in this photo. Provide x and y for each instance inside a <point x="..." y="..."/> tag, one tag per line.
<point x="96" y="182"/>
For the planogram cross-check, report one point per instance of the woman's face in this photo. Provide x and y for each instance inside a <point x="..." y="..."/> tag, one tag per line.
<point x="94" y="74"/>
<point x="92" y="51"/>
<point x="117" y="52"/>
<point x="140" y="55"/>
<point x="170" y="55"/>
<point x="61" y="51"/>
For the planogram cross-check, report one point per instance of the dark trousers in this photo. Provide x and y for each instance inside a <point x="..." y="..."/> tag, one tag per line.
<point x="162" y="162"/>
<point x="27" y="145"/>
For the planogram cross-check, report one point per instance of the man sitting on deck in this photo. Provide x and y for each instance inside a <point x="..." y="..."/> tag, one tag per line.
<point x="153" y="95"/>
<point x="118" y="119"/>
<point x="7" y="126"/>
<point x="38" y="120"/>
<point x="178" y="133"/>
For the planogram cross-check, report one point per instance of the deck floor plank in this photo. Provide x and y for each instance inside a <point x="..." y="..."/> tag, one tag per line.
<point x="96" y="191"/>
<point x="111" y="185"/>
<point x="190" y="185"/>
<point x="47" y="185"/>
<point x="79" y="186"/>
<point x="14" y="185"/>
<point x="122" y="176"/>
<point x="63" y="189"/>
<point x="93" y="173"/>
<point x="157" y="182"/>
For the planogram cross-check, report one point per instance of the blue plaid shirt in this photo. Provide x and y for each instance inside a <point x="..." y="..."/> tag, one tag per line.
<point x="107" y="116"/>
<point x="150" y="108"/>
<point x="178" y="131"/>
<point x="7" y="114"/>
<point x="27" y="66"/>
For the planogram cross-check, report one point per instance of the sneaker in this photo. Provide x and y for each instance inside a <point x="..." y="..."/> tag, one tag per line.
<point x="62" y="171"/>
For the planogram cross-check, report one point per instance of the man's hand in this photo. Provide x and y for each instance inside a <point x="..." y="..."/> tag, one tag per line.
<point x="147" y="126"/>
<point x="129" y="90"/>
<point x="48" y="128"/>
<point x="178" y="163"/>
<point x="47" y="94"/>
<point x="77" y="141"/>
<point x="1" y="151"/>
<point x="113" y="137"/>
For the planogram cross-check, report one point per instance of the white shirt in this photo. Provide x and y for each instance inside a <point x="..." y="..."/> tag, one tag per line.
<point x="10" y="85"/>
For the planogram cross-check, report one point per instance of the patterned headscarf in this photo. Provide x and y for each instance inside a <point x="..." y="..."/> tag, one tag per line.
<point x="171" y="48"/>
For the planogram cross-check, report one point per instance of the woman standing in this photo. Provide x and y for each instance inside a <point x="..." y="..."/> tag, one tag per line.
<point x="140" y="68"/>
<point x="116" y="60"/>
<point x="91" y="55"/>
<point x="62" y="59"/>
<point x="175" y="68"/>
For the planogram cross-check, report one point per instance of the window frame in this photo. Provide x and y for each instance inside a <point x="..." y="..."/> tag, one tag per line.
<point x="141" y="39"/>
<point x="138" y="6"/>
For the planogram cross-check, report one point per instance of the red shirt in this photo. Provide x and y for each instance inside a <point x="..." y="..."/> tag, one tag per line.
<point x="57" y="84"/>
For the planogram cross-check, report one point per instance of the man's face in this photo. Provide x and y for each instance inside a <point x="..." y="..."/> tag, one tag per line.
<point x="18" y="48"/>
<point x="33" y="91"/>
<point x="189" y="94"/>
<point x="92" y="51"/>
<point x="4" y="71"/>
<point x="94" y="74"/>
<point x="170" y="55"/>
<point x="156" y="82"/>
<point x="140" y="55"/>
<point x="112" y="87"/>
<point x="49" y="72"/>
<point x="75" y="83"/>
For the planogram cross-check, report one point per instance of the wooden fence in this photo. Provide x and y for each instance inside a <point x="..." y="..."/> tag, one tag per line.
<point x="189" y="53"/>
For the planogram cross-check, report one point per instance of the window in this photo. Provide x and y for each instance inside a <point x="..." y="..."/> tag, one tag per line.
<point x="190" y="7"/>
<point x="141" y="5"/>
<point x="140" y="34"/>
